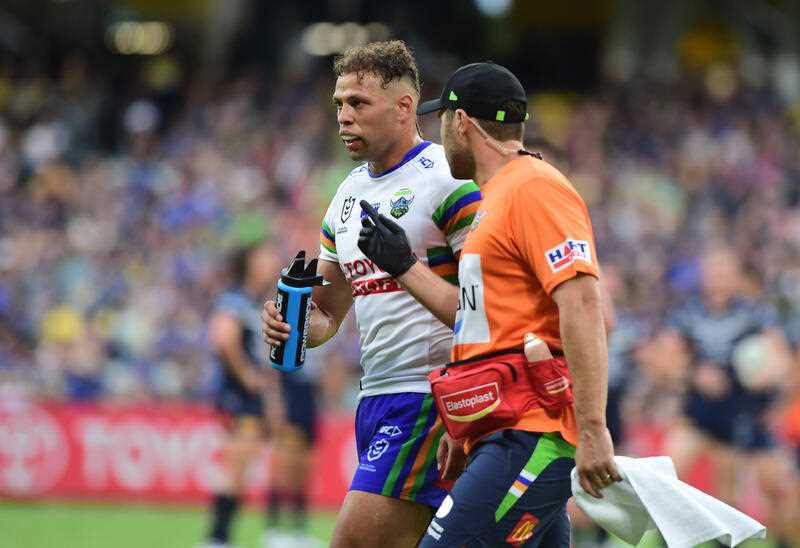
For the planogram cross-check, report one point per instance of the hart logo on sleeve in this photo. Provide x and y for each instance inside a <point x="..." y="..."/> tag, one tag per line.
<point x="567" y="252"/>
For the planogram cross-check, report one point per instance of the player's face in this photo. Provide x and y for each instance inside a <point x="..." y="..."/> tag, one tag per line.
<point x="720" y="276"/>
<point x="263" y="268"/>
<point x="456" y="150"/>
<point x="365" y="112"/>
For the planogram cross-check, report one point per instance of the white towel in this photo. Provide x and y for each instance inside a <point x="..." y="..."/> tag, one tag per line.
<point x="652" y="497"/>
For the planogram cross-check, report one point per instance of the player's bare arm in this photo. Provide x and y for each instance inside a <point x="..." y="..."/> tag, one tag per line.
<point x="386" y="243"/>
<point x="226" y="333"/>
<point x="330" y="304"/>
<point x="432" y="291"/>
<point x="584" y="339"/>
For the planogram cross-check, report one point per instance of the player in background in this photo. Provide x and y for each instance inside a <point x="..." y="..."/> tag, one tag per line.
<point x="396" y="485"/>
<point x="243" y="378"/>
<point x="290" y="470"/>
<point x="740" y="359"/>
<point x="528" y="264"/>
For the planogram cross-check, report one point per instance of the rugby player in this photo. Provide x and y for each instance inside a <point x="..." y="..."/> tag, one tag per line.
<point x="396" y="485"/>
<point x="732" y="391"/>
<point x="528" y="265"/>
<point x="291" y="471"/>
<point x="243" y="377"/>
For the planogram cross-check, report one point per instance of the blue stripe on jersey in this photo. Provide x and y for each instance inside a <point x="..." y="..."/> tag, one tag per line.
<point x="453" y="209"/>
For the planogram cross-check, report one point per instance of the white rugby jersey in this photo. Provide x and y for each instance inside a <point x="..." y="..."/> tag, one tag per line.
<point x="401" y="341"/>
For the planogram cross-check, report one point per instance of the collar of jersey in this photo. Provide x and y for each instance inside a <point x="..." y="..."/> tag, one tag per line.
<point x="504" y="171"/>
<point x="407" y="158"/>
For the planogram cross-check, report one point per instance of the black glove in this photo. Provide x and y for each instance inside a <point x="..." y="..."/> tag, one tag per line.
<point x="385" y="242"/>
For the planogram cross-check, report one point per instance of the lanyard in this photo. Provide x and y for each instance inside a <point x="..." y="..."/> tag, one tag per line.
<point x="523" y="152"/>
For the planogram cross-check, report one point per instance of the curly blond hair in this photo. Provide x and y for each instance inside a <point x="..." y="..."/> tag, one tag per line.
<point x="389" y="61"/>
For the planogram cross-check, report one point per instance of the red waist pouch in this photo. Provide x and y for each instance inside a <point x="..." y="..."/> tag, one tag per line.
<point x="492" y="392"/>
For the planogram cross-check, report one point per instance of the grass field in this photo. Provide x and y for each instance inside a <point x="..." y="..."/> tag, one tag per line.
<point x="74" y="525"/>
<point x="94" y="525"/>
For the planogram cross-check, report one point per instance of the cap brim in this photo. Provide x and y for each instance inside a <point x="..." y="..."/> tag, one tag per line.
<point x="429" y="106"/>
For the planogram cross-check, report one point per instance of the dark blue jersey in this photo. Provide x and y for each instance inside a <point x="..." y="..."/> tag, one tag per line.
<point x="736" y="418"/>
<point x="235" y="302"/>
<point x="714" y="335"/>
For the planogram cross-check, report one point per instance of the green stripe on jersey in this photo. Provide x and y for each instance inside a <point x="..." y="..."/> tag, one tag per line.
<point x="432" y="252"/>
<point x="461" y="223"/>
<point x="448" y="202"/>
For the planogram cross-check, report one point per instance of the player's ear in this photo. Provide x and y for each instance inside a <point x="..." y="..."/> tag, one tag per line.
<point x="405" y="104"/>
<point x="461" y="121"/>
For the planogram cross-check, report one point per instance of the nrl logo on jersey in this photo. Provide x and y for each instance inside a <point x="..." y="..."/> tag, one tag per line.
<point x="347" y="208"/>
<point x="400" y="206"/>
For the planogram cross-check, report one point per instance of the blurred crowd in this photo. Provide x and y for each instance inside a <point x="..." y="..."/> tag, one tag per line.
<point x="674" y="176"/>
<point x="110" y="259"/>
<point x="695" y="202"/>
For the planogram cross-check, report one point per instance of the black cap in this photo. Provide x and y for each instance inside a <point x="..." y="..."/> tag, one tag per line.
<point x="483" y="90"/>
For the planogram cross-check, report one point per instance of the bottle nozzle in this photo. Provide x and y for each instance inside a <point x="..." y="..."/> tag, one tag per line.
<point x="298" y="264"/>
<point x="298" y="274"/>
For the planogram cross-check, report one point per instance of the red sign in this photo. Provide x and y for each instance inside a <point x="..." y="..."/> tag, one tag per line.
<point x="152" y="452"/>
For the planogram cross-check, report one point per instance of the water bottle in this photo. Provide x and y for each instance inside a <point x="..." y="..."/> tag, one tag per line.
<point x="535" y="348"/>
<point x="293" y="302"/>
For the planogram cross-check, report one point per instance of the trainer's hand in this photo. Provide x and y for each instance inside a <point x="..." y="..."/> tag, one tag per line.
<point x="594" y="460"/>
<point x="272" y="325"/>
<point x="450" y="457"/>
<point x="385" y="242"/>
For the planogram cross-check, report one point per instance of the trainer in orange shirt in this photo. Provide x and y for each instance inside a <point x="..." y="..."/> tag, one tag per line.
<point x="528" y="265"/>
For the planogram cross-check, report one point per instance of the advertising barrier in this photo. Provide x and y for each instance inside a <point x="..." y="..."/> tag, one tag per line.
<point x="169" y="453"/>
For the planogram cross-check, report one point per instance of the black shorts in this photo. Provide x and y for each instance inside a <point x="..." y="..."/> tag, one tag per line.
<point x="513" y="492"/>
<point x="300" y="397"/>
<point x="236" y="401"/>
<point x="731" y="421"/>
